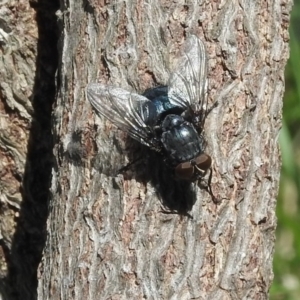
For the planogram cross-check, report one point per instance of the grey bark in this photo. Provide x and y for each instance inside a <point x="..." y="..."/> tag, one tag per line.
<point x="107" y="236"/>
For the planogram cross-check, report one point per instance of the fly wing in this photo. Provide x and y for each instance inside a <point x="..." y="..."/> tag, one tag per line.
<point x="188" y="83"/>
<point x="128" y="111"/>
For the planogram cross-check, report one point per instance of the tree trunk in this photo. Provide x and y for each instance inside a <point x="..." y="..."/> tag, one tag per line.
<point x="109" y="236"/>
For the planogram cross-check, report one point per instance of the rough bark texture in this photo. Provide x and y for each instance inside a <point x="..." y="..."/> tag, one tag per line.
<point x="107" y="235"/>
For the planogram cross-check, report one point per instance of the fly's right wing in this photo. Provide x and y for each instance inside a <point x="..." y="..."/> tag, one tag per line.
<point x="128" y="111"/>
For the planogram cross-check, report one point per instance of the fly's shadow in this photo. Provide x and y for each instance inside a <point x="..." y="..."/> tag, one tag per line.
<point x="145" y="166"/>
<point x="111" y="154"/>
<point x="148" y="166"/>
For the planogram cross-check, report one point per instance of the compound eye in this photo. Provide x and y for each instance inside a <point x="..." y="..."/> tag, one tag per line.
<point x="184" y="171"/>
<point x="203" y="162"/>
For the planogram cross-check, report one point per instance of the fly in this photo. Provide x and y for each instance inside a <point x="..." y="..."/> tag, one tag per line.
<point x="168" y="119"/>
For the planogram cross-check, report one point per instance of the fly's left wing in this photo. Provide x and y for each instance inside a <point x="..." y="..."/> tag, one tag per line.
<point x="128" y="111"/>
<point x="188" y="83"/>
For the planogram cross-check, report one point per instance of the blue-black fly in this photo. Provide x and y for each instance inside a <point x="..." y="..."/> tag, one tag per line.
<point x="168" y="119"/>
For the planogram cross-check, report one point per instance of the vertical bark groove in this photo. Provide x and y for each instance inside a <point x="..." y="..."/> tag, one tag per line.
<point x="28" y="66"/>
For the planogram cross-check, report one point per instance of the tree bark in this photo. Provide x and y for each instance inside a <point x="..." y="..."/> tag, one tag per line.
<point x="108" y="235"/>
<point x="28" y="62"/>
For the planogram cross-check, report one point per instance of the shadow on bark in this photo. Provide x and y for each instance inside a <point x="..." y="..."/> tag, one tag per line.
<point x="30" y="236"/>
<point x="176" y="196"/>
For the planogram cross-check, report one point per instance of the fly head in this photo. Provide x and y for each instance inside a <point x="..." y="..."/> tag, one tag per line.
<point x="194" y="169"/>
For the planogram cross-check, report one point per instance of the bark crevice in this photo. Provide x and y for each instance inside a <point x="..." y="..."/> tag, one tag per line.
<point x="30" y="233"/>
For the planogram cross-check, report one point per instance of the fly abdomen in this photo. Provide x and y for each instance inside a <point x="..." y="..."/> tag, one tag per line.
<point x="180" y="139"/>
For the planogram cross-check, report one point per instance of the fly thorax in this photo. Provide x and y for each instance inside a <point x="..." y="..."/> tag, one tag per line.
<point x="172" y="121"/>
<point x="149" y="114"/>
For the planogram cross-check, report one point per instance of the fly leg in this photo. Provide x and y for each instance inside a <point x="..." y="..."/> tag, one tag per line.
<point x="207" y="112"/>
<point x="126" y="168"/>
<point x="208" y="188"/>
